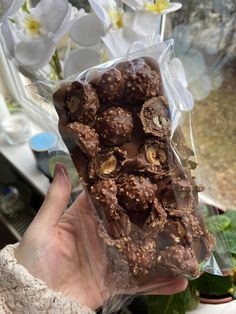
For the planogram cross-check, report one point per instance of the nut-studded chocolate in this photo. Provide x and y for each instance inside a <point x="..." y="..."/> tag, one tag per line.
<point x="115" y="221"/>
<point x="141" y="82"/>
<point x="110" y="88"/>
<point x="86" y="138"/>
<point x="141" y="255"/>
<point x="115" y="126"/>
<point x="81" y="103"/>
<point x="180" y="197"/>
<point x="155" y="117"/>
<point x="156" y="219"/>
<point x="177" y="260"/>
<point x="107" y="164"/>
<point x="135" y="192"/>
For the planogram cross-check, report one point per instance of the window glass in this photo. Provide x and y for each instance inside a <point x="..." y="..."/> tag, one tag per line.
<point x="205" y="41"/>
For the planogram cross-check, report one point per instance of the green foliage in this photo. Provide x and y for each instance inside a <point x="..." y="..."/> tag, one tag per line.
<point x="208" y="284"/>
<point x="174" y="304"/>
<point x="231" y="214"/>
<point x="231" y="240"/>
<point x="217" y="223"/>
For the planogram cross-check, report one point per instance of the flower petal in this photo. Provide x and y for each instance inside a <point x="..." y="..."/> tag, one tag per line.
<point x="51" y="14"/>
<point x="201" y="88"/>
<point x="174" y="6"/>
<point x="183" y="39"/>
<point x="119" y="42"/>
<point x="35" y="53"/>
<point x="9" y="7"/>
<point x="87" y="31"/>
<point x="98" y="7"/>
<point x="194" y="65"/>
<point x="177" y="67"/>
<point x="134" y="4"/>
<point x="8" y="38"/>
<point x="143" y="22"/>
<point x="81" y="59"/>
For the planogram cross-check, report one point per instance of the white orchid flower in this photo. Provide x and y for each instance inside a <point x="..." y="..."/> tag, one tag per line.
<point x="9" y="7"/>
<point x="154" y="6"/>
<point x="108" y="12"/>
<point x="31" y="38"/>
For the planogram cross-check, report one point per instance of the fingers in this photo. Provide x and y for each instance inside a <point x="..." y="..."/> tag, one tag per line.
<point x="176" y="286"/>
<point x="57" y="198"/>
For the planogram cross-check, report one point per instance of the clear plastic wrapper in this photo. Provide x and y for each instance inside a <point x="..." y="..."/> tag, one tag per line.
<point x="121" y="123"/>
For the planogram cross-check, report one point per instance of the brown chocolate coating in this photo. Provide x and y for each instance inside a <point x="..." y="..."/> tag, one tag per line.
<point x="104" y="197"/>
<point x="155" y="117"/>
<point x="173" y="233"/>
<point x="82" y="103"/>
<point x="141" y="82"/>
<point x="59" y="101"/>
<point x="157" y="218"/>
<point x="135" y="192"/>
<point x="107" y="164"/>
<point x="115" y="126"/>
<point x="180" y="197"/>
<point x="177" y="260"/>
<point x="86" y="138"/>
<point x="141" y="255"/>
<point x="110" y="88"/>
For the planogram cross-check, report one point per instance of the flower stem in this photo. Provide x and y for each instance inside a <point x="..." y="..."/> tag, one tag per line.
<point x="56" y="67"/>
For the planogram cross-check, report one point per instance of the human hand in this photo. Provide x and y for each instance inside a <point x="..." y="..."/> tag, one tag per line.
<point x="54" y="249"/>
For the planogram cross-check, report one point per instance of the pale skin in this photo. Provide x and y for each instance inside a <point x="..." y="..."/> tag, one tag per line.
<point x="55" y="249"/>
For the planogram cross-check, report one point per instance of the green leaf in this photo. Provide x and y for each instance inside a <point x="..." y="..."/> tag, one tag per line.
<point x="174" y="304"/>
<point x="217" y="223"/>
<point x="231" y="240"/>
<point x="209" y="284"/>
<point x="231" y="214"/>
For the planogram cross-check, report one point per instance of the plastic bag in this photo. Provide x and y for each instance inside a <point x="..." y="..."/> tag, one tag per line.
<point x="121" y="122"/>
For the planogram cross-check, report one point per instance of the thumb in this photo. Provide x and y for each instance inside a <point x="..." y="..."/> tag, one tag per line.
<point x="57" y="198"/>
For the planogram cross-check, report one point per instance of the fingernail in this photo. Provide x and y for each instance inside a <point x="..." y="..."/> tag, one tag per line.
<point x="60" y="171"/>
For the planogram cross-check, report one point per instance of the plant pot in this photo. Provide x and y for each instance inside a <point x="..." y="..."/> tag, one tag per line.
<point x="216" y="299"/>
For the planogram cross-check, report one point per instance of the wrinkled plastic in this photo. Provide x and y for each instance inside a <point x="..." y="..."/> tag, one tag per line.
<point x="150" y="231"/>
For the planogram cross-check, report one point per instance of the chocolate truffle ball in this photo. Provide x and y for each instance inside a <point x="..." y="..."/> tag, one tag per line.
<point x="82" y="103"/>
<point x="178" y="260"/>
<point x="85" y="137"/>
<point x="141" y="82"/>
<point x="155" y="117"/>
<point x="103" y="194"/>
<point x="115" y="126"/>
<point x="111" y="87"/>
<point x="141" y="256"/>
<point x="135" y="192"/>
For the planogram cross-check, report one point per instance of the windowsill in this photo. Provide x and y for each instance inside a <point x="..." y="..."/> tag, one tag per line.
<point x="22" y="158"/>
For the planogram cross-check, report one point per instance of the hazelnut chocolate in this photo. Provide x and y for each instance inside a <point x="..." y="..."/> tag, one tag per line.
<point x="85" y="137"/>
<point x="110" y="88"/>
<point x="115" y="126"/>
<point x="155" y="117"/>
<point x="177" y="260"/>
<point x="135" y="192"/>
<point x="107" y="164"/>
<point x="141" y="255"/>
<point x="141" y="82"/>
<point x="118" y="130"/>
